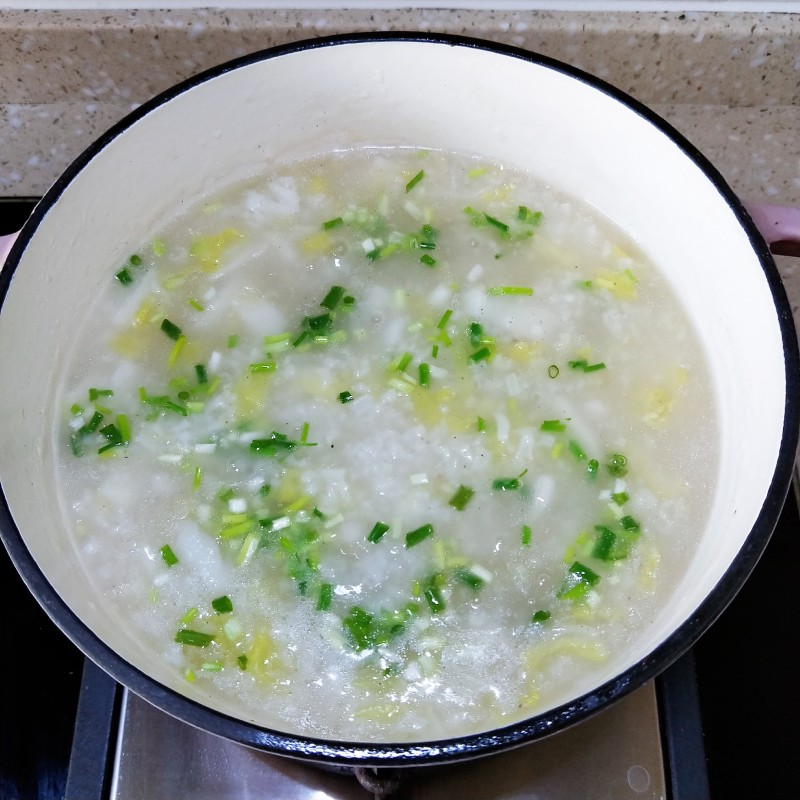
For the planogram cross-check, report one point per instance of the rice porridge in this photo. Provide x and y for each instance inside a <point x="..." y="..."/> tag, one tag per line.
<point x="389" y="445"/>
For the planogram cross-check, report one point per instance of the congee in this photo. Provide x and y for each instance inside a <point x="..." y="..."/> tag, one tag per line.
<point x="387" y="445"/>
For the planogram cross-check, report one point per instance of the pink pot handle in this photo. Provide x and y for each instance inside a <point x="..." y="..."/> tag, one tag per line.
<point x="779" y="225"/>
<point x="5" y="246"/>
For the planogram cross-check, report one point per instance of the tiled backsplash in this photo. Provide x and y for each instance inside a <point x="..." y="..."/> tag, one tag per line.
<point x="729" y="80"/>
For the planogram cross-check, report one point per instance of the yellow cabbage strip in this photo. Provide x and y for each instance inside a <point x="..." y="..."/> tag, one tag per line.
<point x="571" y="647"/>
<point x="208" y="250"/>
<point x="264" y="663"/>
<point x="622" y="283"/>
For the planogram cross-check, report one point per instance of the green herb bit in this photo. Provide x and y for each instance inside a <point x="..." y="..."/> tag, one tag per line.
<point x="540" y="616"/>
<point x="526" y="536"/>
<point x="94" y="394"/>
<point x="576" y="450"/>
<point x="325" y="597"/>
<point x="378" y="531"/>
<point x="333" y="298"/>
<point x="196" y="304"/>
<point x="242" y="662"/>
<point x="496" y="223"/>
<point x="552" y="371"/>
<point x="630" y="524"/>
<point x="318" y="325"/>
<point x="604" y="544"/>
<point x="222" y="605"/>
<point x="592" y="467"/>
<point x="345" y="397"/>
<point x="170" y="559"/>
<point x="506" y="484"/>
<point x="424" y="372"/>
<point x="263" y="366"/>
<point x="579" y="579"/>
<point x="445" y="318"/>
<point x="136" y="260"/>
<point x="617" y="465"/>
<point x="505" y="291"/>
<point x="359" y="626"/>
<point x="198" y="478"/>
<point x="113" y="437"/>
<point x="193" y="638"/>
<point x="524" y="214"/>
<point x="166" y="403"/>
<point x="469" y="578"/>
<point x="483" y="354"/>
<point x="332" y="223"/>
<point x="418" y="535"/>
<point x="171" y="329"/>
<point x="202" y="374"/>
<point x="583" y="364"/>
<point x="428" y="260"/>
<point x="124" y="276"/>
<point x="415" y="180"/>
<point x="480" y="425"/>
<point x="233" y="340"/>
<point x="620" y="498"/>
<point x="552" y="426"/>
<point x="461" y="497"/>
<point x="274" y="445"/>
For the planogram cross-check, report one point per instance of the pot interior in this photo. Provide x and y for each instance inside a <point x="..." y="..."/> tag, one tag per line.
<point x="522" y="111"/>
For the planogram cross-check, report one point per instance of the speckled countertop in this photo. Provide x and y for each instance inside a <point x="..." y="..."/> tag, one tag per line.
<point x="729" y="81"/>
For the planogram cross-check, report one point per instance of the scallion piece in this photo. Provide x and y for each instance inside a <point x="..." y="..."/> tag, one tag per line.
<point x="418" y="535"/>
<point x="527" y="535"/>
<point x="222" y="605"/>
<point x="325" y="597"/>
<point x="171" y="329"/>
<point x="428" y="260"/>
<point x="424" y="371"/>
<point x="415" y="180"/>
<point x="617" y="465"/>
<point x="524" y="214"/>
<point x="445" y="318"/>
<point x="506" y="484"/>
<point x="540" y="616"/>
<point x="377" y="532"/>
<point x="124" y="276"/>
<point x="332" y="223"/>
<point x="503" y="291"/>
<point x="483" y="354"/>
<point x="200" y="371"/>
<point x="496" y="223"/>
<point x="579" y="579"/>
<point x="403" y="362"/>
<point x="469" y="578"/>
<point x="461" y="497"/>
<point x="333" y="298"/>
<point x="170" y="559"/>
<point x="620" y="498"/>
<point x="552" y="426"/>
<point x="193" y="638"/>
<point x="576" y="450"/>
<point x="433" y="597"/>
<point x="242" y="662"/>
<point x="592" y="467"/>
<point x="345" y="397"/>
<point x="552" y="371"/>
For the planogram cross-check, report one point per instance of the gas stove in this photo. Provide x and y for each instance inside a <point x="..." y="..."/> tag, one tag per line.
<point x="715" y="724"/>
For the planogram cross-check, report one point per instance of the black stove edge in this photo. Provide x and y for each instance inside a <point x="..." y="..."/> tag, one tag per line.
<point x="94" y="738"/>
<point x="98" y="719"/>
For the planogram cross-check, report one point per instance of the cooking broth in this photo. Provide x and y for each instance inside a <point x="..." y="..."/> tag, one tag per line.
<point x="388" y="445"/>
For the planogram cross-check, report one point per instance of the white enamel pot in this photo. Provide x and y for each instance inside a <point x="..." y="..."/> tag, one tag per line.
<point x="573" y="131"/>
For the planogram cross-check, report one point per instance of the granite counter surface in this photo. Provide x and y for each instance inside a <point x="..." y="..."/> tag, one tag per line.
<point x="730" y="82"/>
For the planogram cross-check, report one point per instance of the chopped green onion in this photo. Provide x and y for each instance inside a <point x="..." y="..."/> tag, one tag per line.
<point x="553" y="371"/>
<point x="576" y="450"/>
<point x="480" y="425"/>
<point x="484" y="354"/>
<point x="461" y="497"/>
<point x="506" y="484"/>
<point x="501" y="291"/>
<point x="530" y="217"/>
<point x="124" y="276"/>
<point x="222" y="605"/>
<point x="233" y="340"/>
<point x="95" y="393"/>
<point x="620" y="498"/>
<point x="263" y="366"/>
<point x="630" y="524"/>
<point x="415" y="180"/>
<point x="604" y="544"/>
<point x="193" y="638"/>
<point x="424" y="371"/>
<point x="496" y="223"/>
<point x="377" y="532"/>
<point x="170" y="559"/>
<point x="196" y="304"/>
<point x="592" y="467"/>
<point x="433" y="597"/>
<point x="136" y="260"/>
<point x="469" y="578"/>
<point x="418" y="535"/>
<point x="540" y="616"/>
<point x="445" y="318"/>
<point x="578" y="581"/>
<point x="171" y="329"/>
<point x="594" y="367"/>
<point x="333" y="298"/>
<point x="332" y="223"/>
<point x="527" y="535"/>
<point x="403" y="362"/>
<point x="200" y="371"/>
<point x="242" y="662"/>
<point x="617" y="465"/>
<point x="325" y="597"/>
<point x="428" y="260"/>
<point x="198" y="478"/>
<point x="552" y="425"/>
<point x="345" y="397"/>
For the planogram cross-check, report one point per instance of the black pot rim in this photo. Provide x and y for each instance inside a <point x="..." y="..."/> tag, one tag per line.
<point x="403" y="754"/>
